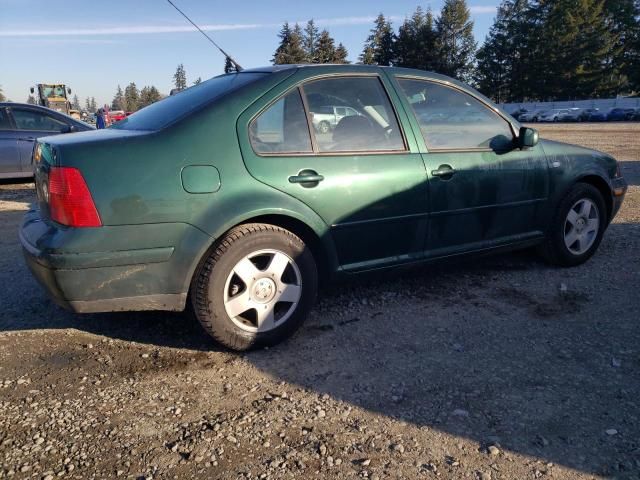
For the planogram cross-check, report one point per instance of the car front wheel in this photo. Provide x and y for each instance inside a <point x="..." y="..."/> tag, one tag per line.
<point x="256" y="288"/>
<point x="577" y="227"/>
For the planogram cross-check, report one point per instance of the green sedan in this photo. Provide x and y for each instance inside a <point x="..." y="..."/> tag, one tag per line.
<point x="225" y="200"/>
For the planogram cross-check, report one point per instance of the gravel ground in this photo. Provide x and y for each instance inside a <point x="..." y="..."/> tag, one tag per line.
<point x="498" y="368"/>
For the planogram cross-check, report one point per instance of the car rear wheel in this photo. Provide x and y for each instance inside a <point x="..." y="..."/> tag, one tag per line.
<point x="256" y="288"/>
<point x="577" y="227"/>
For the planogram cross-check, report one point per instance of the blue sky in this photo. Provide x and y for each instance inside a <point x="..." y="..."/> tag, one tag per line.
<point x="94" y="46"/>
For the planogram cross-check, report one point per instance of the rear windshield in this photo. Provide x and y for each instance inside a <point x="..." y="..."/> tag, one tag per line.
<point x="160" y="114"/>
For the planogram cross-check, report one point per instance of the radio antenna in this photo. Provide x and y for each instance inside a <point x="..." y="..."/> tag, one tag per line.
<point x="235" y="64"/>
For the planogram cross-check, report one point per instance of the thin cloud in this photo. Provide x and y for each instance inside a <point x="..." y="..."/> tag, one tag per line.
<point x="478" y="9"/>
<point x="158" y="29"/>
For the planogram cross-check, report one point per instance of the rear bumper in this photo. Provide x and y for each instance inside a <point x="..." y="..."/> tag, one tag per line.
<point x="81" y="274"/>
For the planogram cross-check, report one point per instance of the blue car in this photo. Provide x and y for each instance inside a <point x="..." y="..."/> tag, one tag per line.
<point x="618" y="114"/>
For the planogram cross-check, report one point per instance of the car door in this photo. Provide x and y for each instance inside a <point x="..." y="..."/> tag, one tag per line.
<point x="9" y="155"/>
<point x="32" y="124"/>
<point x="483" y="190"/>
<point x="364" y="178"/>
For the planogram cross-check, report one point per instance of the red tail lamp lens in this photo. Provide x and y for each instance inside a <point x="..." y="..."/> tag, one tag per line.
<point x="70" y="201"/>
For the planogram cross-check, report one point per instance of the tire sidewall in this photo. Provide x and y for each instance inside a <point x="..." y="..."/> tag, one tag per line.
<point x="276" y="239"/>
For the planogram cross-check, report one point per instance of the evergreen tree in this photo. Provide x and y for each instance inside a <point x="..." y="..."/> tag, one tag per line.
<point x="341" y="54"/>
<point x="624" y="24"/>
<point x="87" y="105"/>
<point x="415" y="45"/>
<point x="378" y="49"/>
<point x="148" y="95"/>
<point x="310" y="41"/>
<point x="290" y="49"/>
<point x="503" y="68"/>
<point x="93" y="105"/>
<point x="229" y="67"/>
<point x="31" y="100"/>
<point x="118" y="100"/>
<point x="455" y="43"/>
<point x="180" y="78"/>
<point x="131" y="97"/>
<point x="578" y="49"/>
<point x="2" y="97"/>
<point x="197" y="81"/>
<point x="75" y="104"/>
<point x="326" y="50"/>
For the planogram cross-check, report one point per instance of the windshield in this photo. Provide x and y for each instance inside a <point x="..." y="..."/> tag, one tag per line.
<point x="170" y="109"/>
<point x="53" y="91"/>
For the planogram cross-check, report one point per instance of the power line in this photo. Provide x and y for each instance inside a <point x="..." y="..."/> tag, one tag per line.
<point x="235" y="64"/>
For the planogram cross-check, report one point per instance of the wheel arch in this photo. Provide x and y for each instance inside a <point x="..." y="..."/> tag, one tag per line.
<point x="320" y="244"/>
<point x="603" y="187"/>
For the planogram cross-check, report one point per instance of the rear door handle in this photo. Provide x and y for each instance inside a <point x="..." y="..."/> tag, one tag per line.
<point x="444" y="171"/>
<point x="307" y="178"/>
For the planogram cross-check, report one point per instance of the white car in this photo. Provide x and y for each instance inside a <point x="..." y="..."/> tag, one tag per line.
<point x="326" y="118"/>
<point x="553" y="115"/>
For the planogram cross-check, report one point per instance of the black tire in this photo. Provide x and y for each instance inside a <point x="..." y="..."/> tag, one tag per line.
<point x="210" y="281"/>
<point x="324" y="127"/>
<point x="554" y="250"/>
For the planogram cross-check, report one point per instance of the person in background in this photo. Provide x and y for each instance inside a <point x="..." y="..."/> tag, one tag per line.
<point x="100" y="123"/>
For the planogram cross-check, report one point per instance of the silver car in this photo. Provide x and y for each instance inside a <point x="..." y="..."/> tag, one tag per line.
<point x="20" y="125"/>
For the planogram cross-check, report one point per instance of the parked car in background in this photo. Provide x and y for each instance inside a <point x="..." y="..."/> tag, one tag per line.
<point x="20" y="125"/>
<point x="598" y="115"/>
<point x="326" y="117"/>
<point x="531" y="116"/>
<point x="570" y="115"/>
<point x="618" y="114"/>
<point x="223" y="195"/>
<point x="117" y="115"/>
<point x="636" y="114"/>
<point x="585" y="114"/>
<point x="520" y="111"/>
<point x="553" y="115"/>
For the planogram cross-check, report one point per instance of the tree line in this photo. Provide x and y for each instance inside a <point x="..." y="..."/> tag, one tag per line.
<point x="535" y="49"/>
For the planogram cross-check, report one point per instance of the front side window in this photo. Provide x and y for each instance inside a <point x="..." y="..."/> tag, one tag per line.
<point x="453" y="120"/>
<point x="30" y="120"/>
<point x="282" y="128"/>
<point x="352" y="114"/>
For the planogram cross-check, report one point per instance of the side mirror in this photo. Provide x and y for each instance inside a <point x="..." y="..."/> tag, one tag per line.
<point x="68" y="129"/>
<point x="527" y="137"/>
<point x="68" y="90"/>
<point x="32" y="90"/>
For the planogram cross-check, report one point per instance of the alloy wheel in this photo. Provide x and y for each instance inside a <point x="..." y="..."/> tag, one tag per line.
<point x="262" y="290"/>
<point x="581" y="226"/>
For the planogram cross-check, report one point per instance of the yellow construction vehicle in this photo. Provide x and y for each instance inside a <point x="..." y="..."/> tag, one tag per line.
<point x="54" y="96"/>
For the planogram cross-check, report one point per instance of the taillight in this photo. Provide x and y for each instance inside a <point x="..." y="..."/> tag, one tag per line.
<point x="70" y="201"/>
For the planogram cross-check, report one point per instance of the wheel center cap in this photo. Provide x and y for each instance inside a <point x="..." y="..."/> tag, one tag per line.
<point x="580" y="224"/>
<point x="264" y="290"/>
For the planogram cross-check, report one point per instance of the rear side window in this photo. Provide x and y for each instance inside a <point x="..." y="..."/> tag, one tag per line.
<point x="282" y="128"/>
<point x="160" y="114"/>
<point x="453" y="120"/>
<point x="364" y="119"/>
<point x="31" y="120"/>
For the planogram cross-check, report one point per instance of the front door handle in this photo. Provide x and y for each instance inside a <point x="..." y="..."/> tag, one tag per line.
<point x="306" y="178"/>
<point x="444" y="171"/>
